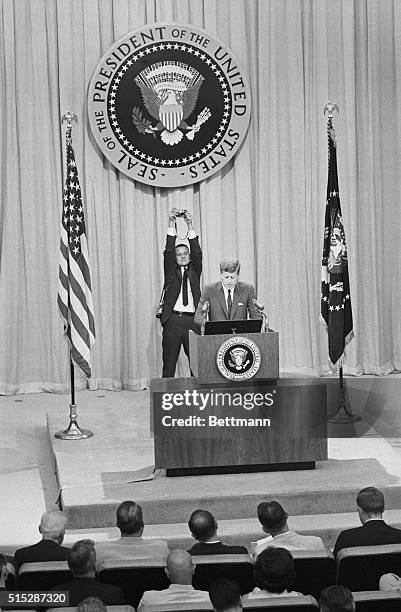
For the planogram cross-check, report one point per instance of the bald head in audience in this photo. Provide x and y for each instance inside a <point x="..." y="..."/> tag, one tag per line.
<point x="92" y="604"/>
<point x="180" y="568"/>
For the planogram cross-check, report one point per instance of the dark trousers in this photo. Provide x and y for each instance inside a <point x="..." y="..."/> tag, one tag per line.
<point x="175" y="335"/>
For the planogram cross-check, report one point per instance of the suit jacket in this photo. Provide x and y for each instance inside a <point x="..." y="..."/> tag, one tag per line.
<point x="243" y="297"/>
<point x="173" y="277"/>
<point x="371" y="533"/>
<point x="81" y="588"/>
<point x="45" y="550"/>
<point x="216" y="548"/>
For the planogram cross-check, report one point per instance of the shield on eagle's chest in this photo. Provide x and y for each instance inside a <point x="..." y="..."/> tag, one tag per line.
<point x="171" y="116"/>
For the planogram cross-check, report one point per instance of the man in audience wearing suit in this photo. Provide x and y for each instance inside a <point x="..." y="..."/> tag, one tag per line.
<point x="229" y="299"/>
<point x="225" y="596"/>
<point x="52" y="528"/>
<point x="370" y="504"/>
<point x="273" y="519"/>
<point x="180" y="570"/>
<point x="181" y="292"/>
<point x="131" y="544"/>
<point x="203" y="527"/>
<point x="82" y="564"/>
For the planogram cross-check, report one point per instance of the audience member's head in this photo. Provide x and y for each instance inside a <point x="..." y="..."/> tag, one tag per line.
<point x="370" y="502"/>
<point x="202" y="525"/>
<point x="52" y="526"/>
<point x="180" y="567"/>
<point x="92" y="604"/>
<point x="272" y="517"/>
<point x="336" y="598"/>
<point x="225" y="596"/>
<point x="130" y="519"/>
<point x="82" y="559"/>
<point x="274" y="570"/>
<point x="3" y="571"/>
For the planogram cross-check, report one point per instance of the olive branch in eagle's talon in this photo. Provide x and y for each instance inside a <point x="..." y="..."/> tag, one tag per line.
<point x="142" y="125"/>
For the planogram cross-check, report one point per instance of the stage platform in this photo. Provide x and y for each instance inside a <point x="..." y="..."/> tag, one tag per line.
<point x="95" y="475"/>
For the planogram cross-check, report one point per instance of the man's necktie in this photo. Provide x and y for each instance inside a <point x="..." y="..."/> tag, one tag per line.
<point x="229" y="304"/>
<point x="185" y="287"/>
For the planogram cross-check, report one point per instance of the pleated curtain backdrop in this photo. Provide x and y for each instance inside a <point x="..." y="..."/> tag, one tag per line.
<point x="266" y="206"/>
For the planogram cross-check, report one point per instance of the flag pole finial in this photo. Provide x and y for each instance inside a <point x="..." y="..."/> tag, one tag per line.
<point x="69" y="117"/>
<point x="329" y="107"/>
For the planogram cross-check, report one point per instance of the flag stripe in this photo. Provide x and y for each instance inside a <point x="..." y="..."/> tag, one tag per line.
<point x="74" y="294"/>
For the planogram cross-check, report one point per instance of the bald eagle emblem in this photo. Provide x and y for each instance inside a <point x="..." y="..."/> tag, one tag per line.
<point x="238" y="359"/>
<point x="169" y="92"/>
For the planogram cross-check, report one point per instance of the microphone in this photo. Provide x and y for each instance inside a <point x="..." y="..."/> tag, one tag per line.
<point x="205" y="308"/>
<point x="257" y="305"/>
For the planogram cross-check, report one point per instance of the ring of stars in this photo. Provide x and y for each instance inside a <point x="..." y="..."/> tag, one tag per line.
<point x="190" y="158"/>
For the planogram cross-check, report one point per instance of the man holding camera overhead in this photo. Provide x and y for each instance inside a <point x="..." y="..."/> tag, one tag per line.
<point x="181" y="291"/>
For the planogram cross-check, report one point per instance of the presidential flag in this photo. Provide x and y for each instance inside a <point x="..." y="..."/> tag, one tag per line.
<point x="335" y="299"/>
<point x="75" y="292"/>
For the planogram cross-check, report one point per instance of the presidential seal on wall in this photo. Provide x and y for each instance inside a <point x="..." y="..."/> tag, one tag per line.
<point x="238" y="358"/>
<point x="169" y="105"/>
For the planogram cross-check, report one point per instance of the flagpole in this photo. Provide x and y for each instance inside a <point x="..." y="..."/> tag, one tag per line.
<point x="73" y="431"/>
<point x="343" y="414"/>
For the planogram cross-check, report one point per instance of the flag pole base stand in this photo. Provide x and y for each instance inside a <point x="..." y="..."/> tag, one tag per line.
<point x="73" y="431"/>
<point x="343" y="415"/>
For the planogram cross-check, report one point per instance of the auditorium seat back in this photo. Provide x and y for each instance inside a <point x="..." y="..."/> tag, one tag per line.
<point x="210" y="568"/>
<point x="121" y="608"/>
<point x="377" y="601"/>
<point x="134" y="577"/>
<point x="303" y="603"/>
<point x="359" y="568"/>
<point x="181" y="607"/>
<point x="315" y="570"/>
<point x="43" y="575"/>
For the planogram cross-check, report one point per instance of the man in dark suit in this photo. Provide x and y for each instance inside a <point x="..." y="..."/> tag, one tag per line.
<point x="52" y="528"/>
<point x="229" y="299"/>
<point x="82" y="564"/>
<point x="370" y="503"/>
<point x="182" y="270"/>
<point x="203" y="527"/>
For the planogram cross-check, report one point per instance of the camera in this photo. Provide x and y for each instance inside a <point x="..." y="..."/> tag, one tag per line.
<point x="159" y="312"/>
<point x="181" y="213"/>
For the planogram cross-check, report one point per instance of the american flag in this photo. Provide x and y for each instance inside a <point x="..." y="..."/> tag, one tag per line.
<point x="75" y="292"/>
<point x="335" y="298"/>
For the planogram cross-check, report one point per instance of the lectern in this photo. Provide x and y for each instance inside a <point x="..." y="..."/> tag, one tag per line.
<point x="204" y="356"/>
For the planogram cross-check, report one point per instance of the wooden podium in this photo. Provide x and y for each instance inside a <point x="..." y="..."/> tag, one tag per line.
<point x="203" y="351"/>
<point x="238" y="427"/>
<point x="215" y="423"/>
